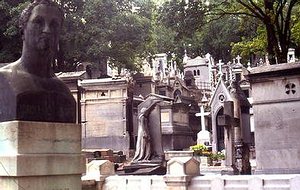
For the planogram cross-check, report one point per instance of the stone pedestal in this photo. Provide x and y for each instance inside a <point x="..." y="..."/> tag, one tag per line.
<point x="180" y="172"/>
<point x="204" y="137"/>
<point x="40" y="156"/>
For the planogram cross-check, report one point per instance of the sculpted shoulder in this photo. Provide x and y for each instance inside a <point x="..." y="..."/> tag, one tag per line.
<point x="16" y="77"/>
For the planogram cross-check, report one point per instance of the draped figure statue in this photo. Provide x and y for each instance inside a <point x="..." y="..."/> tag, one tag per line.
<point x="145" y="140"/>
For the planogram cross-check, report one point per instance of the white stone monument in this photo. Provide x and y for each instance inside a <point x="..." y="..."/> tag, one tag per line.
<point x="204" y="136"/>
<point x="40" y="156"/>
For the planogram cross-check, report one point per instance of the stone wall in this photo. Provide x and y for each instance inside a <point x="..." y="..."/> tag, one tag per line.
<point x="183" y="173"/>
<point x="245" y="182"/>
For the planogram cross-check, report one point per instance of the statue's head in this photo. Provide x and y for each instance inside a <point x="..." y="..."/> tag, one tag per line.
<point x="40" y="24"/>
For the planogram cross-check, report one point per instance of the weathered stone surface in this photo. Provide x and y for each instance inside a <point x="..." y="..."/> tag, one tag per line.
<point x="105" y="105"/>
<point x="38" y="155"/>
<point x="172" y="154"/>
<point x="182" y="166"/>
<point x="97" y="168"/>
<point x="23" y="137"/>
<point x="59" y="182"/>
<point x="276" y="117"/>
<point x="41" y="164"/>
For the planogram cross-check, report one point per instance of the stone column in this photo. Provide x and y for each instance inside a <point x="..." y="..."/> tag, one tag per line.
<point x="214" y="133"/>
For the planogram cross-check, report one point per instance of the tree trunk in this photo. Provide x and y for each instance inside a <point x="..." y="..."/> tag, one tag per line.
<point x="272" y="44"/>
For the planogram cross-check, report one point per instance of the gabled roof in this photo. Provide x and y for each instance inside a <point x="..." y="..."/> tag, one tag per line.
<point x="220" y="89"/>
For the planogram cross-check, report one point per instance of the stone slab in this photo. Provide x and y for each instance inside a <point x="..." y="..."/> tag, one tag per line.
<point x="60" y="182"/>
<point x="40" y="156"/>
<point x="183" y="166"/>
<point x="23" y="137"/>
<point x="41" y="164"/>
<point x="172" y="153"/>
<point x="144" y="169"/>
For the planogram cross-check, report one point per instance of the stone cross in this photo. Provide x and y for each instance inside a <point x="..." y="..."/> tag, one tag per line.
<point x="220" y="64"/>
<point x="204" y="136"/>
<point x="202" y="113"/>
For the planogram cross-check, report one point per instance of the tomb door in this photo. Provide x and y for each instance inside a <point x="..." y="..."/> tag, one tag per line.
<point x="220" y="133"/>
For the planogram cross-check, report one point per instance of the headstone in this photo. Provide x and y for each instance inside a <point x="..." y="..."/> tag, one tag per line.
<point x="96" y="173"/>
<point x="204" y="136"/>
<point x="97" y="168"/>
<point x="180" y="172"/>
<point x="178" y="166"/>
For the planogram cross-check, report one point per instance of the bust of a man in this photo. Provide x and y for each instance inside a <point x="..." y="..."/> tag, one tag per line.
<point x="30" y="91"/>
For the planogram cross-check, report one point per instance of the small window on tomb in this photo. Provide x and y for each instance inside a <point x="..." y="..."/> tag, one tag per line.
<point x="290" y="88"/>
<point x="198" y="72"/>
<point x="195" y="73"/>
<point x="221" y="98"/>
<point x="102" y="93"/>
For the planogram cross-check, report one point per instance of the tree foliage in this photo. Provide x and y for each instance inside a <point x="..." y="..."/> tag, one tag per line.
<point x="123" y="32"/>
<point x="181" y="20"/>
<point x="275" y="15"/>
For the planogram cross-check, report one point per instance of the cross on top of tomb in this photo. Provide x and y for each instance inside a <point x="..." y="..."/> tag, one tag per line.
<point x="202" y="113"/>
<point x="220" y="64"/>
<point x="238" y="58"/>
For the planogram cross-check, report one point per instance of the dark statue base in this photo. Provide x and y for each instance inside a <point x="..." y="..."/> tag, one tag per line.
<point x="144" y="168"/>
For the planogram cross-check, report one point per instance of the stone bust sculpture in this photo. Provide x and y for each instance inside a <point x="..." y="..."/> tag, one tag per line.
<point x="30" y="91"/>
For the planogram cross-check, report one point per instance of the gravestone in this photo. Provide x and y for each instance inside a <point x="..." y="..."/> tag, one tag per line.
<point x="40" y="142"/>
<point x="204" y="136"/>
<point x="275" y="90"/>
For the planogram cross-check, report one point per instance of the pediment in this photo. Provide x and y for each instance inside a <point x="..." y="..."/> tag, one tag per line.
<point x="220" y="95"/>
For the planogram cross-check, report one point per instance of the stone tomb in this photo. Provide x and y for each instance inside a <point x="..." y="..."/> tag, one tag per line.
<point x="106" y="109"/>
<point x="177" y="134"/>
<point x="40" y="156"/>
<point x="276" y="104"/>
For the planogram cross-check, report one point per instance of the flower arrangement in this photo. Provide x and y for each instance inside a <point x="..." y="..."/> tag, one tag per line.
<point x="199" y="149"/>
<point x="217" y="156"/>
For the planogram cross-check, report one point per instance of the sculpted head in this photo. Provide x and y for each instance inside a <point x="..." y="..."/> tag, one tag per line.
<point x="40" y="24"/>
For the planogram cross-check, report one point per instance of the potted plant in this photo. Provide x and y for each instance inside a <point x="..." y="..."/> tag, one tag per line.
<point x="217" y="158"/>
<point x="202" y="154"/>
